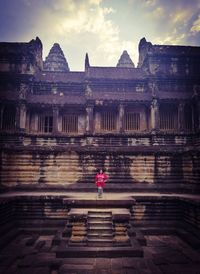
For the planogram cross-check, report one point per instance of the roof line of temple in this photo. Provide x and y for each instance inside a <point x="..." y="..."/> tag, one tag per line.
<point x="114" y="67"/>
<point x="36" y="40"/>
<point x="56" y="61"/>
<point x="20" y="53"/>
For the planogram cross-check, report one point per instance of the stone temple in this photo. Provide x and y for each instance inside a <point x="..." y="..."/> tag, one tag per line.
<point x="140" y="123"/>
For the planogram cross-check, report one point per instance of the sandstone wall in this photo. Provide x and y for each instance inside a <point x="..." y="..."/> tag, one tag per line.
<point x="151" y="160"/>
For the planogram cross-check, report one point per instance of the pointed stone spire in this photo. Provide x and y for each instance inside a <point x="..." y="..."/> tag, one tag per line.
<point x="125" y="61"/>
<point x="56" y="60"/>
<point x="87" y="62"/>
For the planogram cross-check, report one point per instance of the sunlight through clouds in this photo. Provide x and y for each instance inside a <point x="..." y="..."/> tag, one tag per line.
<point x="170" y="39"/>
<point x="90" y="18"/>
<point x="181" y="16"/>
<point x="103" y="28"/>
<point x="196" y="26"/>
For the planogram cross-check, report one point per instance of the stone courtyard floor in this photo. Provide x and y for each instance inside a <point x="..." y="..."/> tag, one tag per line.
<point x="162" y="255"/>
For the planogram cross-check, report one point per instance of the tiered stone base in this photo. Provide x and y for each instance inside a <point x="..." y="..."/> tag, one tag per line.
<point x="36" y="229"/>
<point x="98" y="232"/>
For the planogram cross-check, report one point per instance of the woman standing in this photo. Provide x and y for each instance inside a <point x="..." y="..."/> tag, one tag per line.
<point x="100" y="179"/>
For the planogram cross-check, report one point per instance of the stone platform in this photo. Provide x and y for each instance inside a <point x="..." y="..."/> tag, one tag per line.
<point x="163" y="254"/>
<point x="121" y="187"/>
<point x="163" y="230"/>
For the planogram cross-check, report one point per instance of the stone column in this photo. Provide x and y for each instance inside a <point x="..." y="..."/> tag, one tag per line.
<point x="27" y="120"/>
<point x="195" y="114"/>
<point x="22" y="119"/>
<point x="35" y="122"/>
<point x="121" y="118"/>
<point x="1" y="116"/>
<point x="55" y="119"/>
<point x="196" y="108"/>
<point x="181" y="116"/>
<point x="17" y="118"/>
<point x="154" y="115"/>
<point x="89" y="119"/>
<point x="197" y="125"/>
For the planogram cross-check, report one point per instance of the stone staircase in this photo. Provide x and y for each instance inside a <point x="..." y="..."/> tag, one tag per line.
<point x="98" y="232"/>
<point x="100" y="228"/>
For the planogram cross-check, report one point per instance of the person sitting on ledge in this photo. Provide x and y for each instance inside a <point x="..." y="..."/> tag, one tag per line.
<point x="100" y="180"/>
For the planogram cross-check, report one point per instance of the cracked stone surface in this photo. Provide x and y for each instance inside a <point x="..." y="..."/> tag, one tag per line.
<point x="164" y="254"/>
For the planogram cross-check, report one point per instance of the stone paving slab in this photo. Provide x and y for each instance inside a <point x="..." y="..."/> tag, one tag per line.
<point x="65" y="267"/>
<point x="116" y="263"/>
<point x="179" y="268"/>
<point x="79" y="261"/>
<point x="154" y="268"/>
<point x="132" y="271"/>
<point x="163" y="255"/>
<point x="192" y="255"/>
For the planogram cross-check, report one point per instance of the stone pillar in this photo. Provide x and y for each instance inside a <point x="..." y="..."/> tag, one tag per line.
<point x="35" y="122"/>
<point x="121" y="118"/>
<point x="97" y="122"/>
<point x="17" y="118"/>
<point x="22" y="118"/>
<point x="89" y="119"/>
<point x="154" y="115"/>
<point x="55" y="119"/>
<point x="1" y="116"/>
<point x="27" y="120"/>
<point x="195" y="114"/>
<point x="59" y="123"/>
<point x="196" y="120"/>
<point x="196" y="108"/>
<point x="181" y="121"/>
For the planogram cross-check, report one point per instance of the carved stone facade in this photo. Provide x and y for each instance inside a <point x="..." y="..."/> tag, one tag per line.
<point x="140" y="124"/>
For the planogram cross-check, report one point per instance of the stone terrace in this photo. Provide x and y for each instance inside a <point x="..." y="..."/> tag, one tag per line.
<point x="165" y="227"/>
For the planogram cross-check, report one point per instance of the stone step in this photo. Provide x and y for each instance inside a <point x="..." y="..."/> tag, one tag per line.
<point x="100" y="229"/>
<point x="101" y="213"/>
<point x="102" y="217"/>
<point x="100" y="242"/>
<point x="93" y="218"/>
<point x="97" y="225"/>
<point x="100" y="223"/>
<point x="100" y="235"/>
<point x="100" y="252"/>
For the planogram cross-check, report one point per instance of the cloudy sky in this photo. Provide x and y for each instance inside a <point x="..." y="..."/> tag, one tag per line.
<point x="103" y="28"/>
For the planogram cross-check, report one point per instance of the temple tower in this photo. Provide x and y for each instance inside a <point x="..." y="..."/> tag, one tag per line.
<point x="125" y="61"/>
<point x="56" y="60"/>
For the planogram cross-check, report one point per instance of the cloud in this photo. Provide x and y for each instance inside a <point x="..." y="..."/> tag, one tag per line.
<point x="71" y="21"/>
<point x="170" y="39"/>
<point x="100" y="27"/>
<point x="172" y="22"/>
<point x="196" y="26"/>
<point x="150" y="3"/>
<point x="181" y="16"/>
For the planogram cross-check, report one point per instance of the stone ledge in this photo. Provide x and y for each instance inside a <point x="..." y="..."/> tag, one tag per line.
<point x="172" y="187"/>
<point x="95" y="252"/>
